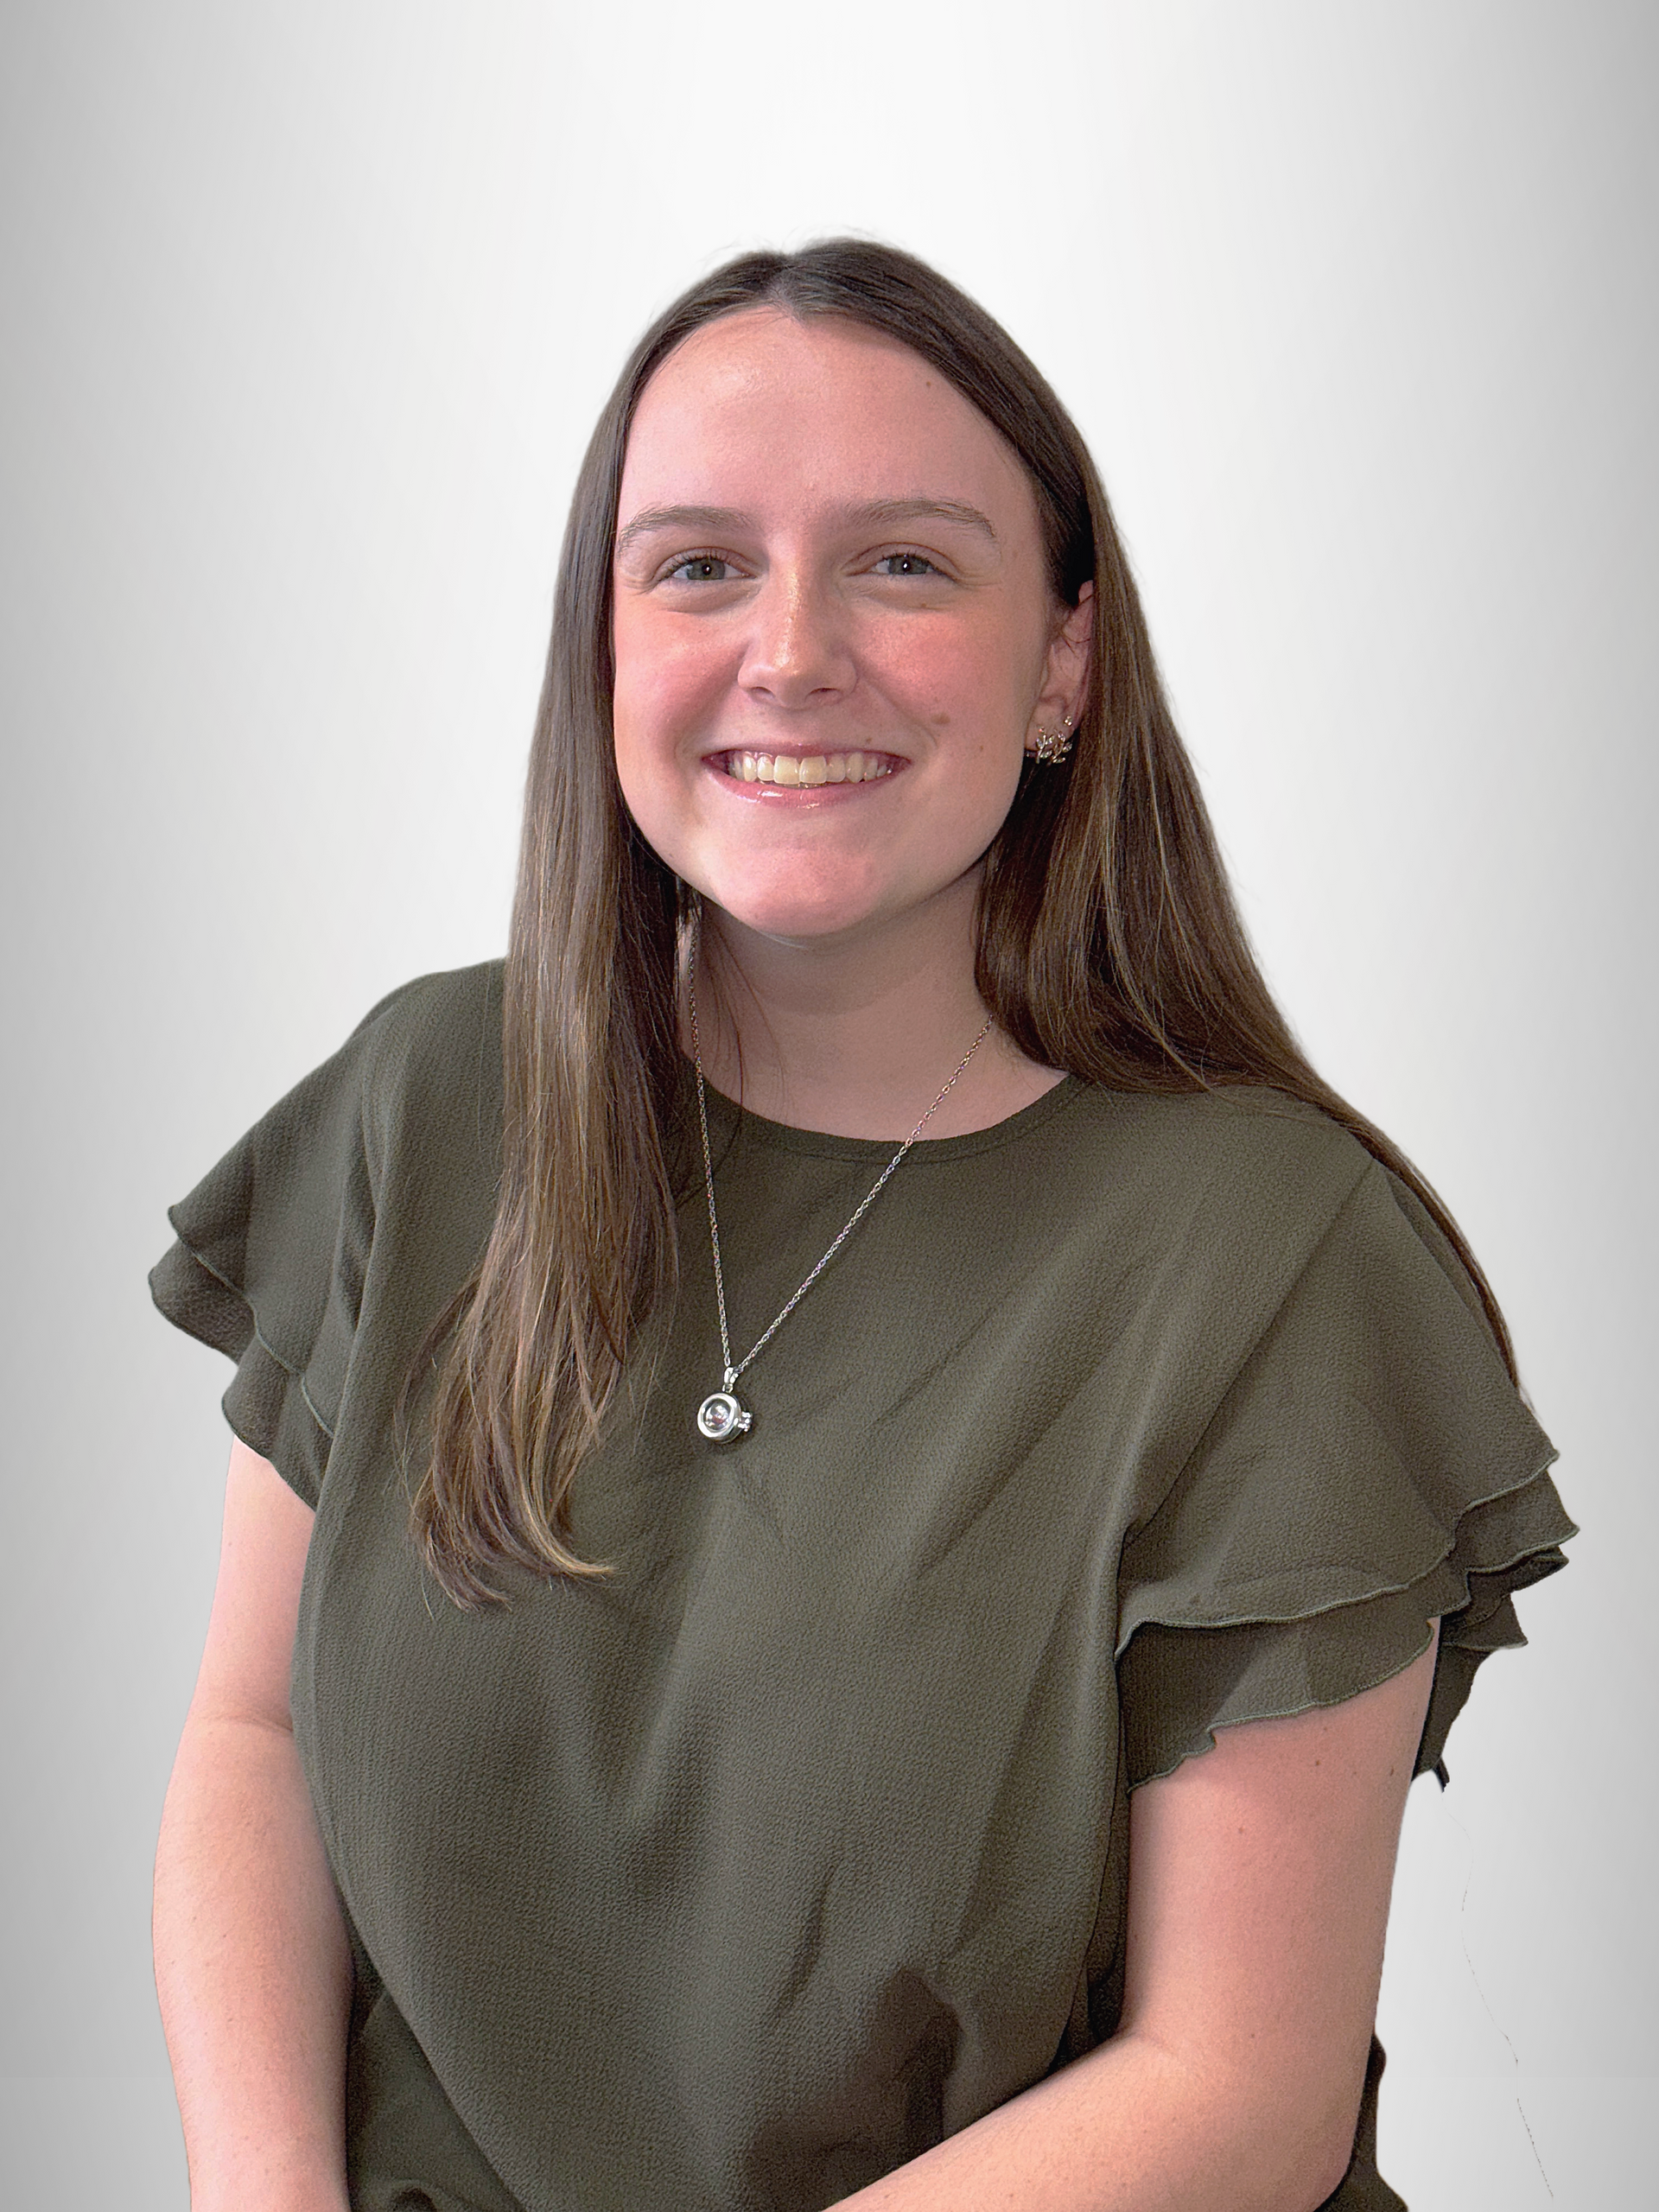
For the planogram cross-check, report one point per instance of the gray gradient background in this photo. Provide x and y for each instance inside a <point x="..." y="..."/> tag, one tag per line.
<point x="308" y="311"/>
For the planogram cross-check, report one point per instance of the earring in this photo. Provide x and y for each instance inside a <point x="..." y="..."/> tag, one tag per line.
<point x="1053" y="745"/>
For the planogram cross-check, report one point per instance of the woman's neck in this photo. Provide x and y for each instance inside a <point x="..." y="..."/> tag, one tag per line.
<point x="856" y="1037"/>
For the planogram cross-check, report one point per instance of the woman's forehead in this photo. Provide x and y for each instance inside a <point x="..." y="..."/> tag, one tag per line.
<point x="762" y="400"/>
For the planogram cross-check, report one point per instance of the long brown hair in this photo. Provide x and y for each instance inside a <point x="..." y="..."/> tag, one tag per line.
<point x="1109" y="944"/>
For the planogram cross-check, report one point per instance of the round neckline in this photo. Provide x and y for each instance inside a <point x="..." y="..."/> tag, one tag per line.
<point x="736" y="1119"/>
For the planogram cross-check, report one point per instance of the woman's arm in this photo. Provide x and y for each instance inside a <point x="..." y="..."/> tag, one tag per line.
<point x="252" y="1960"/>
<point x="1259" y="1880"/>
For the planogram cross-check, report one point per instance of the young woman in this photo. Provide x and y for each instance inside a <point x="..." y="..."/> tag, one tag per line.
<point x="855" y="1494"/>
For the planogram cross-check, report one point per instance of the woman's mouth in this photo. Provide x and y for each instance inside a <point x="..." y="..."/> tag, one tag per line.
<point x="797" y="770"/>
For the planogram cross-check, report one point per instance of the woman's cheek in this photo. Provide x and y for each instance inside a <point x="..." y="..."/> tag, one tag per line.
<point x="962" y="676"/>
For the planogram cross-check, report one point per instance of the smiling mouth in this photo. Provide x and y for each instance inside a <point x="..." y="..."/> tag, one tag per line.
<point x="807" y="769"/>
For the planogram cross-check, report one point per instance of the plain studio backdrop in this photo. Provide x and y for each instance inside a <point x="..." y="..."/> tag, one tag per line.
<point x="308" y="313"/>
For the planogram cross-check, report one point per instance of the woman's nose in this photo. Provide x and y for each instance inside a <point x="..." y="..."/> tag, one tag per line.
<point x="798" y="653"/>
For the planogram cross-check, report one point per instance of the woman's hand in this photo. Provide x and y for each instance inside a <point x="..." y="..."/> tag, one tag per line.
<point x="1259" y="1880"/>
<point x="252" y="1960"/>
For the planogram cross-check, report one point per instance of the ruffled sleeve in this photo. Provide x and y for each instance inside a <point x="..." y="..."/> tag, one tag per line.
<point x="1370" y="1468"/>
<point x="271" y="1253"/>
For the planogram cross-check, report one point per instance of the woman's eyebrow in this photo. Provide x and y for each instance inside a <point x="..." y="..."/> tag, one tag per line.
<point x="711" y="519"/>
<point x="870" y="514"/>
<point x="903" y="510"/>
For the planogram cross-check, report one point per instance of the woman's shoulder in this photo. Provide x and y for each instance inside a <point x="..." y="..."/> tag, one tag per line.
<point x="1236" y="1146"/>
<point x="432" y="1019"/>
<point x="1252" y="1114"/>
<point x="430" y="1050"/>
<point x="1248" y="1168"/>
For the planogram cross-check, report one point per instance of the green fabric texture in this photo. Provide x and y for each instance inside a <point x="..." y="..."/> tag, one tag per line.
<point x="731" y="1881"/>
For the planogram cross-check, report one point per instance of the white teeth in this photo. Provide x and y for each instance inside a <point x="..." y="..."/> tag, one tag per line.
<point x="793" y="771"/>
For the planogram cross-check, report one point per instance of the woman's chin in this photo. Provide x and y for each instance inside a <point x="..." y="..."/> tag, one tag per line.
<point x="798" y="921"/>
<point x="795" y="908"/>
<point x="791" y="907"/>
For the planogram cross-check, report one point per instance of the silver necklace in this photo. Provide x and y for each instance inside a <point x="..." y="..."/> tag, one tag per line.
<point x="722" y="1413"/>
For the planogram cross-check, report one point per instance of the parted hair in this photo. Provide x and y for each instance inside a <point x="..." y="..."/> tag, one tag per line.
<point x="1109" y="945"/>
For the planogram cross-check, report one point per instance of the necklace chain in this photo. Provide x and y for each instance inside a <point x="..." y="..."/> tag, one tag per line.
<point x="733" y="1369"/>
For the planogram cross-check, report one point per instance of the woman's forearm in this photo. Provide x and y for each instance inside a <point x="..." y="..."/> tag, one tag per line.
<point x="1128" y="2129"/>
<point x="1259" y="1878"/>
<point x="254" y="1973"/>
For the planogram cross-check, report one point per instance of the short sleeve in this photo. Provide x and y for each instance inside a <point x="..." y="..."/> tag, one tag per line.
<point x="1370" y="1467"/>
<point x="269" y="1261"/>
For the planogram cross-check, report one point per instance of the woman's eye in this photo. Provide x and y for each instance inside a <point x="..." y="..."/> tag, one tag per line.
<point x="906" y="564"/>
<point x="700" y="568"/>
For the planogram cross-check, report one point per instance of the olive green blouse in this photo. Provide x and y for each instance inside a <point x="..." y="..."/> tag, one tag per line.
<point x="730" y="1882"/>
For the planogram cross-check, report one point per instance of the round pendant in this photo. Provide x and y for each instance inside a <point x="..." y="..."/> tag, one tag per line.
<point x="720" y="1416"/>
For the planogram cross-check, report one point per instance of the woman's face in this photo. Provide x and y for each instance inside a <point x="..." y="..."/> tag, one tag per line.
<point x="833" y="631"/>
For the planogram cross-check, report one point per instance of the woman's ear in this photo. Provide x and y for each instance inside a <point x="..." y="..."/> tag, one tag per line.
<point x="1065" y="677"/>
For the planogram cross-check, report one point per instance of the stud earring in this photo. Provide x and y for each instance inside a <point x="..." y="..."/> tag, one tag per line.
<point x="1053" y="745"/>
